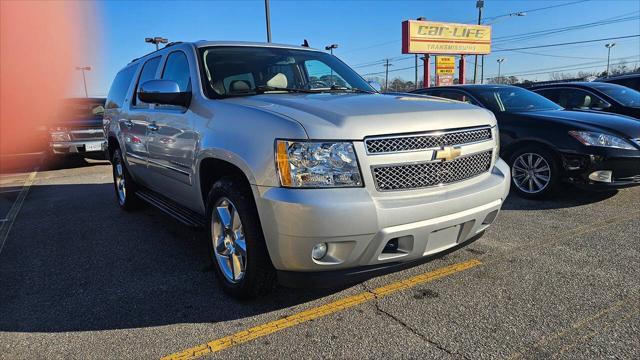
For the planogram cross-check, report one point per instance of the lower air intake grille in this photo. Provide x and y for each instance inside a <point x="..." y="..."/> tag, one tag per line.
<point x="416" y="176"/>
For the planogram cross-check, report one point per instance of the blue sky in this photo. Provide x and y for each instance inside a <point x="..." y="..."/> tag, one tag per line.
<point x="366" y="31"/>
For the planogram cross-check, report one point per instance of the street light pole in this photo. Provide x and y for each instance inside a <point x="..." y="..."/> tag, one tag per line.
<point x="609" y="46"/>
<point x="331" y="47"/>
<point x="500" y="61"/>
<point x="84" y="79"/>
<point x="268" y="16"/>
<point x="156" y="40"/>
<point x="479" y="5"/>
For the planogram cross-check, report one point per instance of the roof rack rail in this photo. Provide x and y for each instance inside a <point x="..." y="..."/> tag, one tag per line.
<point x="166" y="46"/>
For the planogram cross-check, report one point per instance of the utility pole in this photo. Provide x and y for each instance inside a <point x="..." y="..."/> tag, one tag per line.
<point x="267" y="14"/>
<point x="609" y="46"/>
<point x="479" y="5"/>
<point x="84" y="79"/>
<point x="386" y="75"/>
<point x="156" y="40"/>
<point x="500" y="61"/>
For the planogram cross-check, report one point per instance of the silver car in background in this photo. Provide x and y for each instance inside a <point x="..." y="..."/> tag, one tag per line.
<point x="297" y="168"/>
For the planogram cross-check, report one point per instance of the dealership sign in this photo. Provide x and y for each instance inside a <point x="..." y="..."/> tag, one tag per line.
<point x="429" y="37"/>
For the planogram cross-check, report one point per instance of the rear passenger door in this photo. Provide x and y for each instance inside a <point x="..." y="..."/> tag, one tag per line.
<point x="134" y="126"/>
<point x="172" y="141"/>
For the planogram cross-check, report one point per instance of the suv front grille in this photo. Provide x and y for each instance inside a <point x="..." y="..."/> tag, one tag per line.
<point x="421" y="175"/>
<point x="427" y="140"/>
<point x="87" y="134"/>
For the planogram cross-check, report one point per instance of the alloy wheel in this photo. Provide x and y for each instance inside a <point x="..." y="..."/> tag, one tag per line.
<point x="120" y="181"/>
<point x="229" y="244"/>
<point x="531" y="173"/>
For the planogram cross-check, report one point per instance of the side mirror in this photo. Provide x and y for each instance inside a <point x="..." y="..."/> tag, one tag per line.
<point x="164" y="92"/>
<point x="376" y="85"/>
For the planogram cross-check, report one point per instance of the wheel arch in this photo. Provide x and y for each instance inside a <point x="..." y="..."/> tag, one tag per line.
<point x="211" y="168"/>
<point x="509" y="150"/>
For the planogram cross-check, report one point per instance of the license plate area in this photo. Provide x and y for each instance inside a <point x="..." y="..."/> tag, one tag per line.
<point x="442" y="239"/>
<point x="93" y="147"/>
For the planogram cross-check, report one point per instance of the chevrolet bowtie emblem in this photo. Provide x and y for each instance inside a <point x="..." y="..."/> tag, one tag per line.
<point x="448" y="153"/>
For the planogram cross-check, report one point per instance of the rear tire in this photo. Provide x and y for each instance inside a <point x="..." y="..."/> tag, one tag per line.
<point x="124" y="186"/>
<point x="236" y="243"/>
<point x="535" y="172"/>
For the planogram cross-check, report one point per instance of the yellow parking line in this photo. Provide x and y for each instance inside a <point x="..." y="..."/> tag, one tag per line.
<point x="317" y="312"/>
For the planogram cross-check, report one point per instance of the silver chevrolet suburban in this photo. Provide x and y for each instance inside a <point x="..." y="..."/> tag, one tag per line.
<point x="298" y="169"/>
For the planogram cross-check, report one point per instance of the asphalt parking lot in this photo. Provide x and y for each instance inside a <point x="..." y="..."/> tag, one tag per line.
<point x="79" y="278"/>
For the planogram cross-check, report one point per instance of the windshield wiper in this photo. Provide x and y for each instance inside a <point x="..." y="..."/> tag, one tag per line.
<point x="345" y="89"/>
<point x="263" y="88"/>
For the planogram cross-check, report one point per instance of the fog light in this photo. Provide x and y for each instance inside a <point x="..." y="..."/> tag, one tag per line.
<point x="319" y="251"/>
<point x="601" y="175"/>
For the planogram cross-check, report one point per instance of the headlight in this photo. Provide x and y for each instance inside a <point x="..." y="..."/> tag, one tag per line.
<point x="317" y="164"/>
<point x="599" y="139"/>
<point x="59" y="134"/>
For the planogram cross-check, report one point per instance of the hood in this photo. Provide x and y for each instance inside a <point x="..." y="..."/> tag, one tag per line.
<point x="348" y="116"/>
<point x="616" y="124"/>
<point x="81" y="123"/>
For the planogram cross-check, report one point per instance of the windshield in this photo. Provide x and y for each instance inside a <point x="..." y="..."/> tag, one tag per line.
<point x="624" y="95"/>
<point x="514" y="99"/>
<point x="82" y="109"/>
<point x="242" y="70"/>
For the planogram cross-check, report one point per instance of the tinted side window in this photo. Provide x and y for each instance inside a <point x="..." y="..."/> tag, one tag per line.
<point x="579" y="99"/>
<point x="119" y="87"/>
<point x="177" y="69"/>
<point x="148" y="73"/>
<point x="551" y="94"/>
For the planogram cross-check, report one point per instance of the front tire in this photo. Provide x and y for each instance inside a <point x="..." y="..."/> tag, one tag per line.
<point x="236" y="243"/>
<point x="535" y="172"/>
<point x="123" y="184"/>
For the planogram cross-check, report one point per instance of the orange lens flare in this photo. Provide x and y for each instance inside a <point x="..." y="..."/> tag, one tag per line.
<point x="40" y="45"/>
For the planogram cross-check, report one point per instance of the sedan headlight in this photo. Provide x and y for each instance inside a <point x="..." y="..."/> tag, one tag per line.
<point x="590" y="138"/>
<point x="307" y="164"/>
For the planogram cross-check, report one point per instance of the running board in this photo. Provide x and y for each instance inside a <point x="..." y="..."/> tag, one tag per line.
<point x="186" y="216"/>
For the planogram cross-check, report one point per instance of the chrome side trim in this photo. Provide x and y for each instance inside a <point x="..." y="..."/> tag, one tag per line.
<point x="183" y="172"/>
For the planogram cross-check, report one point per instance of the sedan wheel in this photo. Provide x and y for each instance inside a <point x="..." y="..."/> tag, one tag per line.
<point x="531" y="173"/>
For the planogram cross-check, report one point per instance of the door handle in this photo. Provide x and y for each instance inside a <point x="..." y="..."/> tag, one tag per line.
<point x="127" y="123"/>
<point x="153" y="127"/>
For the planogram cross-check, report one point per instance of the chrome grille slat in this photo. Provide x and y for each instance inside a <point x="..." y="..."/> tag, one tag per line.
<point x="427" y="174"/>
<point x="87" y="134"/>
<point x="393" y="144"/>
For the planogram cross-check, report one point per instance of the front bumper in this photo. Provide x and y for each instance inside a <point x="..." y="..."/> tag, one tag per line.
<point x="357" y="225"/>
<point x="625" y="169"/>
<point x="78" y="147"/>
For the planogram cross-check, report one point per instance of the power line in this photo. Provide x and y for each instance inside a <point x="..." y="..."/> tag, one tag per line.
<point x="488" y="18"/>
<point x="567" y="43"/>
<point x="587" y="65"/>
<point x="525" y="36"/>
<point x="548" y="32"/>
<point x="536" y="9"/>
